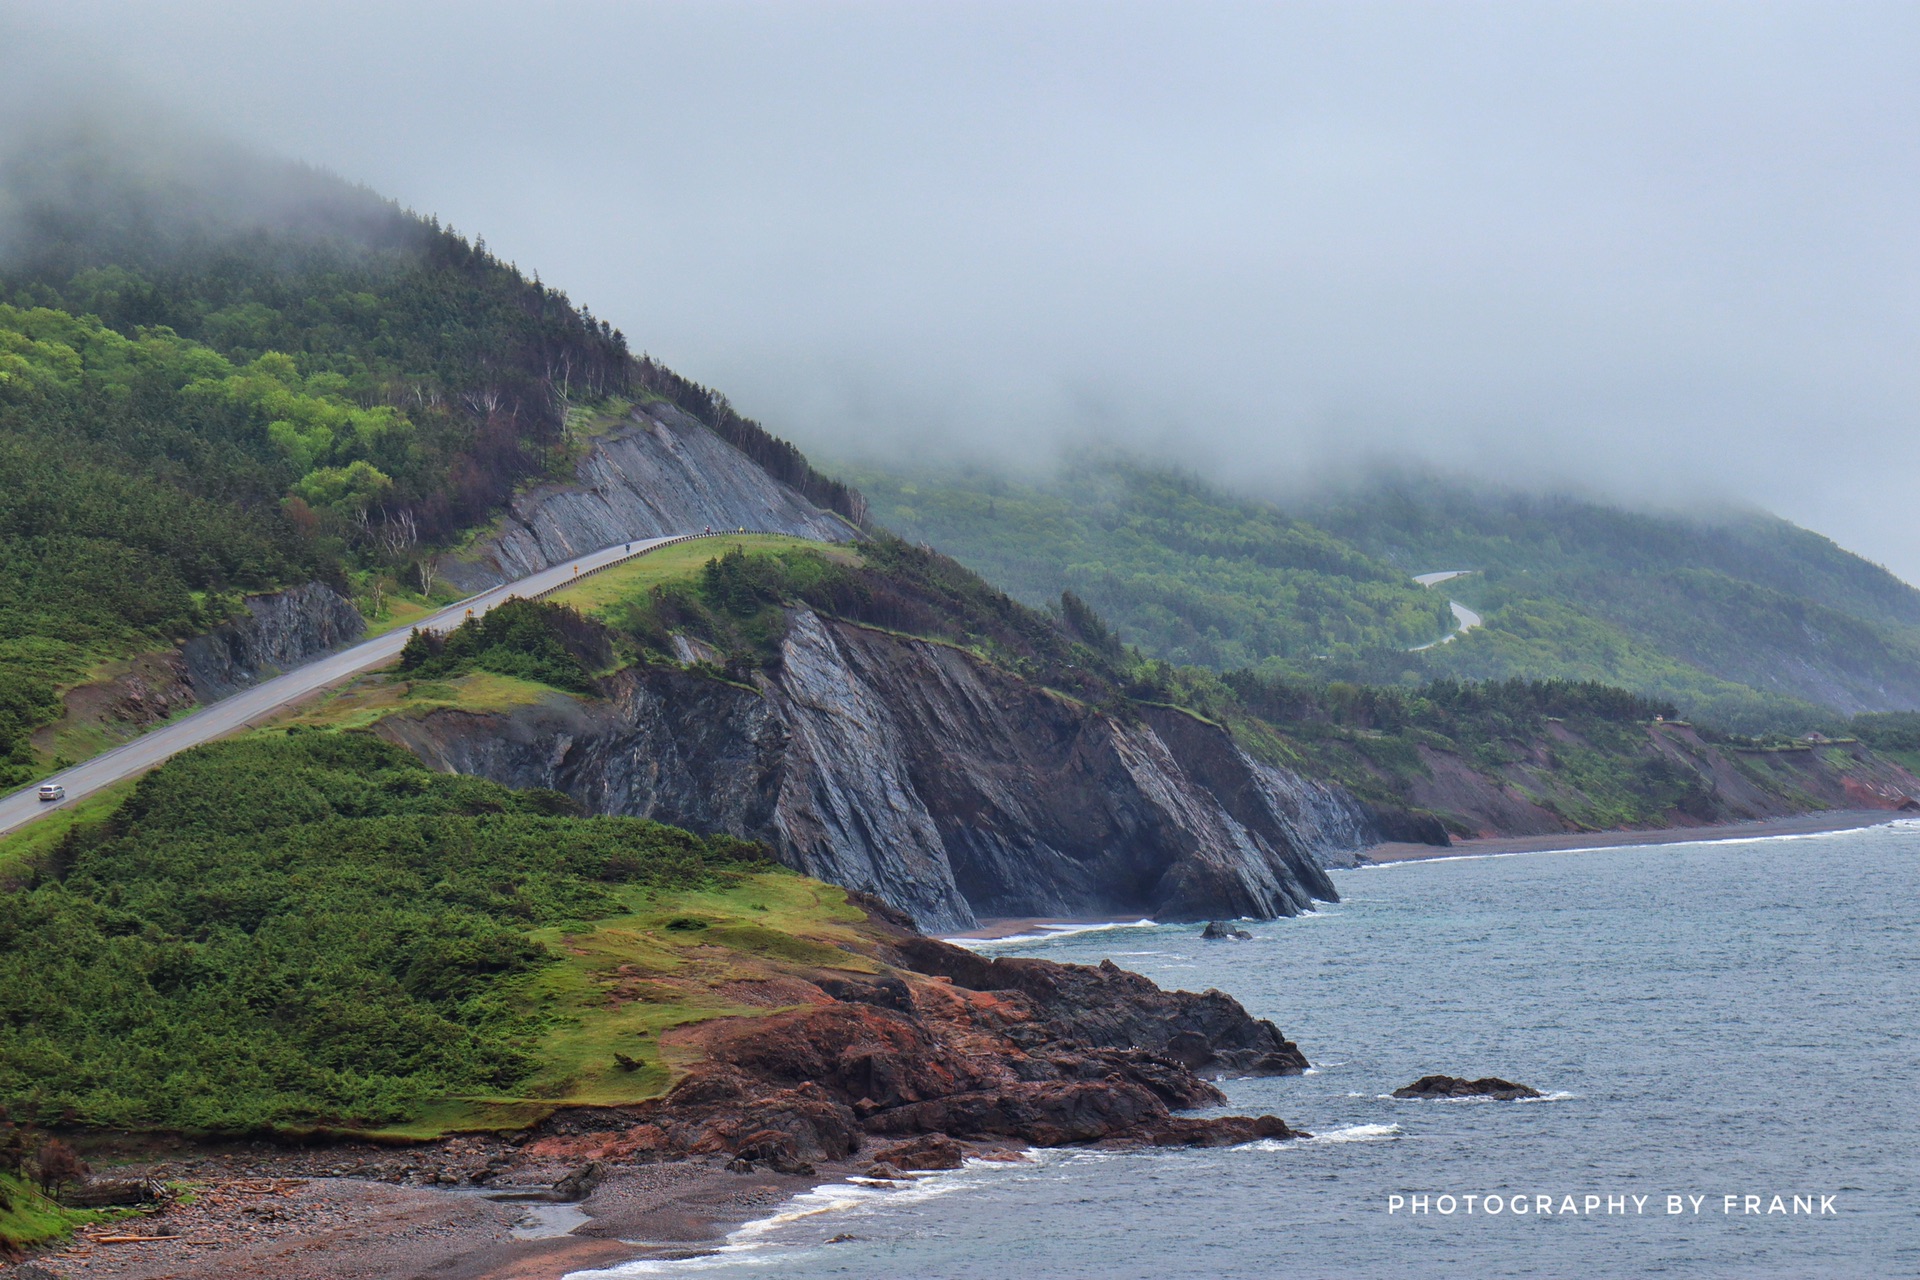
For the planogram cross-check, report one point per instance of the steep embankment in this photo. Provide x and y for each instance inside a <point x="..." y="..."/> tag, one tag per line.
<point x="913" y="770"/>
<point x="271" y="633"/>
<point x="658" y="474"/>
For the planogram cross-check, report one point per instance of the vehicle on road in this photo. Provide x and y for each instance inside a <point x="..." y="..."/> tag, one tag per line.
<point x="52" y="791"/>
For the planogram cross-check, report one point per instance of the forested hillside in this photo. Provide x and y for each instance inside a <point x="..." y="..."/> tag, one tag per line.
<point x="1739" y="618"/>
<point x="222" y="374"/>
<point x="1185" y="572"/>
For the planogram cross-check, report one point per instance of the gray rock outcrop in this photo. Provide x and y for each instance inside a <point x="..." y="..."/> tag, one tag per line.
<point x="945" y="786"/>
<point x="663" y="473"/>
<point x="280" y="631"/>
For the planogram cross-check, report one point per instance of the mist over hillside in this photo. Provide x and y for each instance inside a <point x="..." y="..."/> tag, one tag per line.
<point x="1656" y="250"/>
<point x="1737" y="616"/>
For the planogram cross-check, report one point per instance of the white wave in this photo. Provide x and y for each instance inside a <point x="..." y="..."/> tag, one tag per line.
<point x="1707" y="839"/>
<point x="1358" y="1133"/>
<point x="749" y="1244"/>
<point x="1048" y="931"/>
<point x="1352" y="1133"/>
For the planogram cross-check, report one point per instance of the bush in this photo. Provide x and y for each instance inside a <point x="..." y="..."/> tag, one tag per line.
<point x="300" y="930"/>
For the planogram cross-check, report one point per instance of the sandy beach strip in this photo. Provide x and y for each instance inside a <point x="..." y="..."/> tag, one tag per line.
<point x="1795" y="825"/>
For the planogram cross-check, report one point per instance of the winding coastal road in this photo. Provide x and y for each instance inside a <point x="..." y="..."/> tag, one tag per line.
<point x="246" y="708"/>
<point x="1464" y="618"/>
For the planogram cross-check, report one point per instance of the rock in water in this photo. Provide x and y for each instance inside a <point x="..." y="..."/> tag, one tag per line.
<point x="1220" y="929"/>
<point x="1457" y="1087"/>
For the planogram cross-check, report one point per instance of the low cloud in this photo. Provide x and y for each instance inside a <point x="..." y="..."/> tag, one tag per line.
<point x="1662" y="250"/>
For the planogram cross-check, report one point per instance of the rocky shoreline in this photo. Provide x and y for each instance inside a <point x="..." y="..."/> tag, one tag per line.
<point x="938" y="1056"/>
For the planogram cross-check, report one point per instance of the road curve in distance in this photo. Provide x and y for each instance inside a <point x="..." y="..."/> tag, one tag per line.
<point x="1464" y="619"/>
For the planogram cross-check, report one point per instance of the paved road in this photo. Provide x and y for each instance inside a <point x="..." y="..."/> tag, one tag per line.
<point x="1464" y="618"/>
<point x="252" y="705"/>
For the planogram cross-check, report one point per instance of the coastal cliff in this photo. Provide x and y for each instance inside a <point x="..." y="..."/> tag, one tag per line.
<point x="942" y="784"/>
<point x="660" y="473"/>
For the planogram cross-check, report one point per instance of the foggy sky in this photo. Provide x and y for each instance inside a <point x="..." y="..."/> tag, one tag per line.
<point x="1667" y="250"/>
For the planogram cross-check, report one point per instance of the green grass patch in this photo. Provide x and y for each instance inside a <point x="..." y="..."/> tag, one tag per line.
<point x="596" y="595"/>
<point x="371" y="699"/>
<point x="44" y="833"/>
<point x="401" y="611"/>
<point x="29" y="1220"/>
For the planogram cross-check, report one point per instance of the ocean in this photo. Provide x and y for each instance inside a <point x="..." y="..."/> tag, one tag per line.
<point x="1736" y="1019"/>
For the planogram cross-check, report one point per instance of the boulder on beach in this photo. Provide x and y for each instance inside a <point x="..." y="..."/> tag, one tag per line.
<point x="1221" y="929"/>
<point x="1459" y="1087"/>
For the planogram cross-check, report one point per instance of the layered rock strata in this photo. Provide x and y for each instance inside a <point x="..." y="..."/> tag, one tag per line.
<point x="945" y="786"/>
<point x="279" y="631"/>
<point x="662" y="473"/>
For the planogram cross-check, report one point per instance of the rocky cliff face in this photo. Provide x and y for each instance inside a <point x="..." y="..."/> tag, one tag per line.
<point x="280" y="631"/>
<point x="946" y="787"/>
<point x="664" y="473"/>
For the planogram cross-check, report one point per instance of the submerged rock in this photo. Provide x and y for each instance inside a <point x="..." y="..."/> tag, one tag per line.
<point x="1458" y="1087"/>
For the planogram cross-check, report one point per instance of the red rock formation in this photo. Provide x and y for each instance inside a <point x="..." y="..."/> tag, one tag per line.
<point x="948" y="1046"/>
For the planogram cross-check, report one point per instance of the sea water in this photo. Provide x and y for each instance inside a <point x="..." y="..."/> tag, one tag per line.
<point x="1738" y="1019"/>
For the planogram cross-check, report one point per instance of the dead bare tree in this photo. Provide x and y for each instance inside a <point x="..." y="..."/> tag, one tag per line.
<point x="399" y="532"/>
<point x="485" y="401"/>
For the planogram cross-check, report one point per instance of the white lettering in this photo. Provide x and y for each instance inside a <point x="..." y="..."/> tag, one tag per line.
<point x="1420" y="1204"/>
<point x="1727" y="1203"/>
<point x="1568" y="1206"/>
<point x="1697" y="1202"/>
<point x="1498" y="1204"/>
<point x="1674" y="1205"/>
<point x="1593" y="1202"/>
<point x="1752" y="1204"/>
<point x="1543" y="1204"/>
<point x="1826" y="1205"/>
<point x="1396" y="1203"/>
<point x="1616" y="1204"/>
<point x="1446" y="1204"/>
<point x="1778" y="1206"/>
<point x="1639" y="1204"/>
<point x="1803" y="1204"/>
<point x="1469" y="1200"/>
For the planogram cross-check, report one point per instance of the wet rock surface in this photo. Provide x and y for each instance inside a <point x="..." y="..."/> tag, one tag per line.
<point x="1220" y="930"/>
<point x="1459" y="1087"/>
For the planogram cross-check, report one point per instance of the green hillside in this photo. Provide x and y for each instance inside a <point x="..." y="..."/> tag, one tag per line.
<point x="1742" y="619"/>
<point x="221" y="374"/>
<point x="1185" y="572"/>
